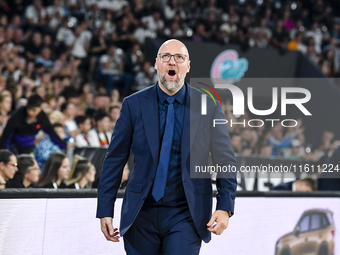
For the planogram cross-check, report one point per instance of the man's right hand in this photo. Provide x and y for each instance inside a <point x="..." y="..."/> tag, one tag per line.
<point x="109" y="232"/>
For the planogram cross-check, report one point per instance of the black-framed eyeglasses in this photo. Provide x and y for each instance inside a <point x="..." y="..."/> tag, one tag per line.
<point x="165" y="57"/>
<point x="13" y="164"/>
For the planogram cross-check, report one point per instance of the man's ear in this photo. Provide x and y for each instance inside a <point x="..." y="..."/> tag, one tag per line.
<point x="155" y="63"/>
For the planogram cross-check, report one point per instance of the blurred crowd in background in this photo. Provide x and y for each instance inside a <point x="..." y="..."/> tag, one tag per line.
<point x="82" y="57"/>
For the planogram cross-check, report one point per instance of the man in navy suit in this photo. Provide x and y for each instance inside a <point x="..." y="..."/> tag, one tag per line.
<point x="165" y="210"/>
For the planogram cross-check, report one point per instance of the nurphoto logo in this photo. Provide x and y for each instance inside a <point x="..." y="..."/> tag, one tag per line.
<point x="239" y="99"/>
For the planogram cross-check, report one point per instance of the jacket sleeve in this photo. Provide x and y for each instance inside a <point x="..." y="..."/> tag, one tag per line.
<point x="48" y="129"/>
<point x="115" y="160"/>
<point x="222" y="154"/>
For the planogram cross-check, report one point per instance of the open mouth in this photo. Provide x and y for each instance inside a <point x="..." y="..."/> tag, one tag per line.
<point x="171" y="73"/>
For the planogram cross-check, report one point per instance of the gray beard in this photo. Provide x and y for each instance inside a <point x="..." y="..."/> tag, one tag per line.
<point x="171" y="86"/>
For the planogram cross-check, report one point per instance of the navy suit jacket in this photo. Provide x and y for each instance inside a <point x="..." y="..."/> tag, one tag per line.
<point x="329" y="180"/>
<point x="137" y="128"/>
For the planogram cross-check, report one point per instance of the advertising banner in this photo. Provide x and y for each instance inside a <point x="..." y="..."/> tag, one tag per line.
<point x="261" y="225"/>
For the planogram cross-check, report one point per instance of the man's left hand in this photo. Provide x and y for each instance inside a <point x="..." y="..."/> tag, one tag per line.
<point x="221" y="218"/>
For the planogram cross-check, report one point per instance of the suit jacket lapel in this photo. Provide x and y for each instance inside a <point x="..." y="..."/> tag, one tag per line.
<point x="192" y="117"/>
<point x="149" y="108"/>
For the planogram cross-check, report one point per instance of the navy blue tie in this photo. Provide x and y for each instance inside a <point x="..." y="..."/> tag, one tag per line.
<point x="164" y="157"/>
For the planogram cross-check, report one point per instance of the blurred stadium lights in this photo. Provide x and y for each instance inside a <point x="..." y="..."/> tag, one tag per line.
<point x="72" y="21"/>
<point x="293" y="6"/>
<point x="188" y="31"/>
<point x="277" y="4"/>
<point x="259" y="2"/>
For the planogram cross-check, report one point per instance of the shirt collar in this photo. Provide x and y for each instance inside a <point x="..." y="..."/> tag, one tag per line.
<point x="179" y="96"/>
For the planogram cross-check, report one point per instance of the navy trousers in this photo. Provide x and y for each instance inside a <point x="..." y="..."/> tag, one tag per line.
<point x="162" y="230"/>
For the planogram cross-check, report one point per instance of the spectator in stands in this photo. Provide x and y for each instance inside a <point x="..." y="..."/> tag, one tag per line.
<point x="305" y="17"/>
<point x="312" y="55"/>
<point x="45" y="58"/>
<point x="65" y="35"/>
<point x="100" y="135"/>
<point x="56" y="117"/>
<point x="78" y="8"/>
<point x="36" y="16"/>
<point x="134" y="60"/>
<point x="236" y="142"/>
<point x="48" y="43"/>
<point x="200" y="33"/>
<point x="5" y="106"/>
<point x="45" y="147"/>
<point x="98" y="48"/>
<point x="125" y="30"/>
<point x="146" y="77"/>
<point x="84" y="89"/>
<point x="21" y="69"/>
<point x="22" y="127"/>
<point x="112" y="70"/>
<point x="55" y="14"/>
<point x="280" y="35"/>
<point x="172" y="8"/>
<point x="15" y="21"/>
<point x="287" y="21"/>
<point x="266" y="151"/>
<point x="279" y="141"/>
<point x="18" y="41"/>
<point x="84" y="124"/>
<point x="100" y="101"/>
<point x="69" y="111"/>
<point x="305" y="184"/>
<point x="335" y="32"/>
<point x="154" y="22"/>
<point x="82" y="173"/>
<point x="114" y="114"/>
<point x="297" y="44"/>
<point x="296" y="150"/>
<point x="34" y="47"/>
<point x="316" y="33"/>
<point x="80" y="45"/>
<point x="109" y="26"/>
<point x="325" y="142"/>
<point x="8" y="167"/>
<point x="320" y="12"/>
<point x="46" y="82"/>
<point x="55" y="171"/>
<point x="27" y="175"/>
<point x="115" y="97"/>
<point x="3" y="82"/>
<point x="174" y="31"/>
<point x="95" y="16"/>
<point x="60" y="64"/>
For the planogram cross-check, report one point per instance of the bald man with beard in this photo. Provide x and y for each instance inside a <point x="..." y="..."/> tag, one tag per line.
<point x="164" y="210"/>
